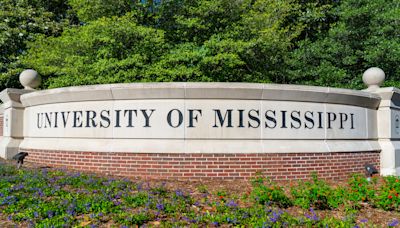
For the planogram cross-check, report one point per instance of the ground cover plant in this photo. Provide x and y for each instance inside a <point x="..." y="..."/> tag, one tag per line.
<point x="49" y="197"/>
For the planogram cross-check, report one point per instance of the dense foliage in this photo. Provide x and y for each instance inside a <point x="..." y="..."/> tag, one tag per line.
<point x="58" y="198"/>
<point x="316" y="42"/>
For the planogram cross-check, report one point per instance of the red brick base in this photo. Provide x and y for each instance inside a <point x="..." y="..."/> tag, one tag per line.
<point x="277" y="166"/>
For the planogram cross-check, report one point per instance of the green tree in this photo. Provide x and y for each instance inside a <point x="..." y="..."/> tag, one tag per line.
<point x="366" y="34"/>
<point x="95" y="9"/>
<point x="190" y="41"/>
<point x="316" y="42"/>
<point x="108" y="50"/>
<point x="22" y="21"/>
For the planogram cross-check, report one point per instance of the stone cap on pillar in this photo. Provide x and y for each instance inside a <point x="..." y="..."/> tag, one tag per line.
<point x="30" y="79"/>
<point x="373" y="78"/>
<point x="390" y="96"/>
<point x="11" y="97"/>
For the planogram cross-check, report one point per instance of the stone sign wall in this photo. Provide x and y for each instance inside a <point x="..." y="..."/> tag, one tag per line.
<point x="197" y="130"/>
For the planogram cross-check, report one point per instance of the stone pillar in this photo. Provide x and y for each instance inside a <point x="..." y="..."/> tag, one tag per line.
<point x="388" y="122"/>
<point x="389" y="130"/>
<point x="1" y="120"/>
<point x="13" y="113"/>
<point x="13" y="116"/>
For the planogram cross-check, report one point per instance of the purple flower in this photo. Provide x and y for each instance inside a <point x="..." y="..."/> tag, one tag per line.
<point x="273" y="219"/>
<point x="395" y="222"/>
<point x="229" y="220"/>
<point x="364" y="220"/>
<point x="160" y="206"/>
<point x="139" y="187"/>
<point x="18" y="187"/>
<point x="204" y="195"/>
<point x="275" y="216"/>
<point x="215" y="223"/>
<point x="179" y="193"/>
<point x="88" y="206"/>
<point x="193" y="220"/>
<point x="118" y="195"/>
<point x="70" y="211"/>
<point x="40" y="193"/>
<point x="147" y="186"/>
<point x="31" y="224"/>
<point x="50" y="214"/>
<point x="35" y="214"/>
<point x="313" y="215"/>
<point x="232" y="204"/>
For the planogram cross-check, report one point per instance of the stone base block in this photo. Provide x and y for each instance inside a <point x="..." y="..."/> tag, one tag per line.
<point x="9" y="147"/>
<point x="390" y="157"/>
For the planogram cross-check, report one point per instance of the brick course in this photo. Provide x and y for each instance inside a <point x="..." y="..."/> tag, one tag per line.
<point x="277" y="166"/>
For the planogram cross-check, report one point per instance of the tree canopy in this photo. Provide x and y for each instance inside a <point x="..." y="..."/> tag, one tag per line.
<point x="315" y="42"/>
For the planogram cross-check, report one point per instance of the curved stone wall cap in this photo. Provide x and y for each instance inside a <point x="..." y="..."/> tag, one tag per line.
<point x="224" y="90"/>
<point x="390" y="96"/>
<point x="10" y="94"/>
<point x="198" y="90"/>
<point x="151" y="90"/>
<point x="354" y="97"/>
<point x="386" y="90"/>
<point x="68" y="94"/>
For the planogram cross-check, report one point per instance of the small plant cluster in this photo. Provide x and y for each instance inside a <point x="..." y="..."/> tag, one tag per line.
<point x="382" y="192"/>
<point x="58" y="198"/>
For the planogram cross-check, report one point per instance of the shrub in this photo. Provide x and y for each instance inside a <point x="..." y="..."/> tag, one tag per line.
<point x="266" y="192"/>
<point x="317" y="194"/>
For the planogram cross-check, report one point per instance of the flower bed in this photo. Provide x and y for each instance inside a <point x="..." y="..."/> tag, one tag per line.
<point x="46" y="197"/>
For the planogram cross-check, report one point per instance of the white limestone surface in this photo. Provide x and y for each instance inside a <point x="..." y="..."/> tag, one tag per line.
<point x="201" y="117"/>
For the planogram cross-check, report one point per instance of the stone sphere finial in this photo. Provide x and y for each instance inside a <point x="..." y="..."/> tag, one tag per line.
<point x="373" y="78"/>
<point x="30" y="79"/>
